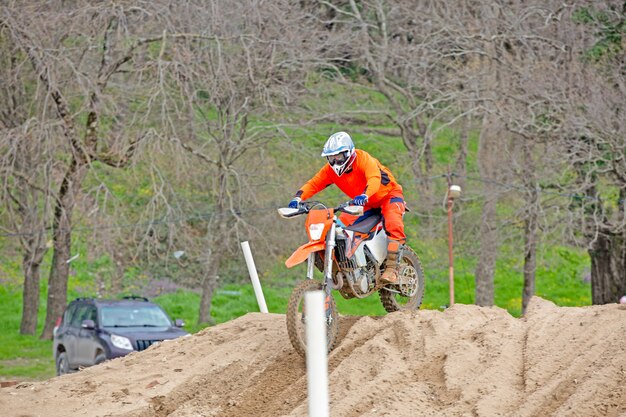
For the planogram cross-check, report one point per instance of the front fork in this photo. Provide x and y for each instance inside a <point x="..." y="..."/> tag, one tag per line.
<point x="328" y="269"/>
<point x="310" y="264"/>
<point x="328" y="256"/>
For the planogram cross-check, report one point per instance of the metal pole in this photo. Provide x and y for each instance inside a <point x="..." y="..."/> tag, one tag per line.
<point x="454" y="191"/>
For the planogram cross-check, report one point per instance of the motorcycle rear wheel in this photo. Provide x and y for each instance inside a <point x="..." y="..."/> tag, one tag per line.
<point x="296" y="318"/>
<point x="411" y="269"/>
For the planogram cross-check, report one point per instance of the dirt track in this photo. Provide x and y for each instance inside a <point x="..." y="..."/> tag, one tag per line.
<point x="466" y="361"/>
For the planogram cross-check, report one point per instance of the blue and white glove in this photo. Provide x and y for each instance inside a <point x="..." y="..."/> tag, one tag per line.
<point x="360" y="200"/>
<point x="295" y="203"/>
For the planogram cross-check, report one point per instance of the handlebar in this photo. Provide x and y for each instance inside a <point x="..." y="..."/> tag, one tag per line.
<point x="305" y="206"/>
<point x="310" y="205"/>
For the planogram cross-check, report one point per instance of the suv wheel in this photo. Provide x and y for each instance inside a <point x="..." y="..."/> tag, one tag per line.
<point x="63" y="366"/>
<point x="100" y="357"/>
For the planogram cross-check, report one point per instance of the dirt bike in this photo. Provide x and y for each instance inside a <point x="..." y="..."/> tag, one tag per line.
<point x="352" y="259"/>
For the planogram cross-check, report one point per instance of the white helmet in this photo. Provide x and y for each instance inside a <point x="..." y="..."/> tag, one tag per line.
<point x="339" y="151"/>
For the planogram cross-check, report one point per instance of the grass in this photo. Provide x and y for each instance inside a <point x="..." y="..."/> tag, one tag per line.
<point x="21" y="356"/>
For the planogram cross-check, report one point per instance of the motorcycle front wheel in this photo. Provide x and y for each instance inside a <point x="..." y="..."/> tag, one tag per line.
<point x="409" y="294"/>
<point x="296" y="317"/>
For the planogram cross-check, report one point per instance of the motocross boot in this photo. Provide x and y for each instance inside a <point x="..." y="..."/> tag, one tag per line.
<point x="390" y="276"/>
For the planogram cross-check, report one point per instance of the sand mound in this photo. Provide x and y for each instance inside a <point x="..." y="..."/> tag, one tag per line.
<point x="466" y="361"/>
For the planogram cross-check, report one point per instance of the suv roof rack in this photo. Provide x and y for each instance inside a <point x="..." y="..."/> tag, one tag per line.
<point x="135" y="297"/>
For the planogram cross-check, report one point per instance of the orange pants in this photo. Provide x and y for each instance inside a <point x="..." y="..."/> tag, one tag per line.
<point x="392" y="208"/>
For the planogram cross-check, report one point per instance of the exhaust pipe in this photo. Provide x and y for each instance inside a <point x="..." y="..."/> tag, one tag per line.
<point x="339" y="285"/>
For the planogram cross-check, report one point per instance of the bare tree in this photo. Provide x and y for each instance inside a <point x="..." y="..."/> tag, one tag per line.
<point x="26" y="168"/>
<point x="596" y="150"/>
<point x="488" y="161"/>
<point x="25" y="191"/>
<point x="86" y="59"/>
<point x="436" y="64"/>
<point x="238" y="76"/>
<point x="567" y="90"/>
<point x="26" y="195"/>
<point x="413" y="62"/>
<point x="190" y="95"/>
<point x="487" y="71"/>
<point x="595" y="139"/>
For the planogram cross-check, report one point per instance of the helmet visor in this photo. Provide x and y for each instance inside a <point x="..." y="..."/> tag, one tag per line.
<point x="338" y="159"/>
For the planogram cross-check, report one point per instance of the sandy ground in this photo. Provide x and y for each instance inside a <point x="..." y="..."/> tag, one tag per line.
<point x="466" y="361"/>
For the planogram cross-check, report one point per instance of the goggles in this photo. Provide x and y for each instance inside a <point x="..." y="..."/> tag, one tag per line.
<point x="338" y="159"/>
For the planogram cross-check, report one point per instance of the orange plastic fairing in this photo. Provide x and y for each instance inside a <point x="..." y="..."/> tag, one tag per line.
<point x="324" y="216"/>
<point x="302" y="253"/>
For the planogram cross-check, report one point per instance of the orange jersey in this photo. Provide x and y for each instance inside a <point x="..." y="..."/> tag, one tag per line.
<point x="367" y="175"/>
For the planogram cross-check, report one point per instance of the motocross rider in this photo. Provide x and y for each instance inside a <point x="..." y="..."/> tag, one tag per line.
<point x="368" y="183"/>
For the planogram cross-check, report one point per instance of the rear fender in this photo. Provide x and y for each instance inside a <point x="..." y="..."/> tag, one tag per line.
<point x="302" y="253"/>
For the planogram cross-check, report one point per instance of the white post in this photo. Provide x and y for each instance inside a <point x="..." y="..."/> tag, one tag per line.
<point x="316" y="358"/>
<point x="256" y="284"/>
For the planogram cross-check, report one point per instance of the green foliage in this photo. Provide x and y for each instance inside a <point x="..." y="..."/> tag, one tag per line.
<point x="609" y="31"/>
<point x="347" y="69"/>
<point x="563" y="276"/>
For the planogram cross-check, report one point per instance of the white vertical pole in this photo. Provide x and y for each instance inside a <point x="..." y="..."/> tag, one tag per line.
<point x="316" y="358"/>
<point x="256" y="284"/>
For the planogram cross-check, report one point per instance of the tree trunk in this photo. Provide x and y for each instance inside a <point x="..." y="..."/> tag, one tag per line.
<point x="428" y="159"/>
<point x="608" y="268"/>
<point x="31" y="264"/>
<point x="62" y="239"/>
<point x="209" y="285"/>
<point x="31" y="204"/>
<point x="530" y="226"/>
<point x="530" y="256"/>
<point x="57" y="281"/>
<point x="218" y="229"/>
<point x="427" y="197"/>
<point x="34" y="247"/>
<point x="421" y="158"/>
<point x="410" y="143"/>
<point x="607" y="248"/>
<point x="488" y="159"/>
<point x="487" y="259"/>
<point x="460" y="167"/>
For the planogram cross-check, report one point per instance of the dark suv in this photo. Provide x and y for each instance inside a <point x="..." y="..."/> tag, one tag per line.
<point x="94" y="330"/>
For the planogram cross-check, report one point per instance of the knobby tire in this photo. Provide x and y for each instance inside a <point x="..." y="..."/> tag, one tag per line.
<point x="391" y="301"/>
<point x="296" y="327"/>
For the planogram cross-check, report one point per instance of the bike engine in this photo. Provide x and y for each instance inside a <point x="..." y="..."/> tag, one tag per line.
<point x="360" y="280"/>
<point x="344" y="262"/>
<point x="365" y="277"/>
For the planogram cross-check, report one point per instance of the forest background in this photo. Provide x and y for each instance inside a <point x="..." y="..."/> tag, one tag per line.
<point x="142" y="141"/>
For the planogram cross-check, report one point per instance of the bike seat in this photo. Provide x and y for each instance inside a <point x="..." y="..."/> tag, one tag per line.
<point x="366" y="222"/>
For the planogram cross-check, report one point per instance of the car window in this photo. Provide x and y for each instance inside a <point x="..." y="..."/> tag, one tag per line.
<point x="77" y="317"/>
<point x="83" y="312"/>
<point x="69" y="313"/>
<point x="90" y="314"/>
<point x="134" y="316"/>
